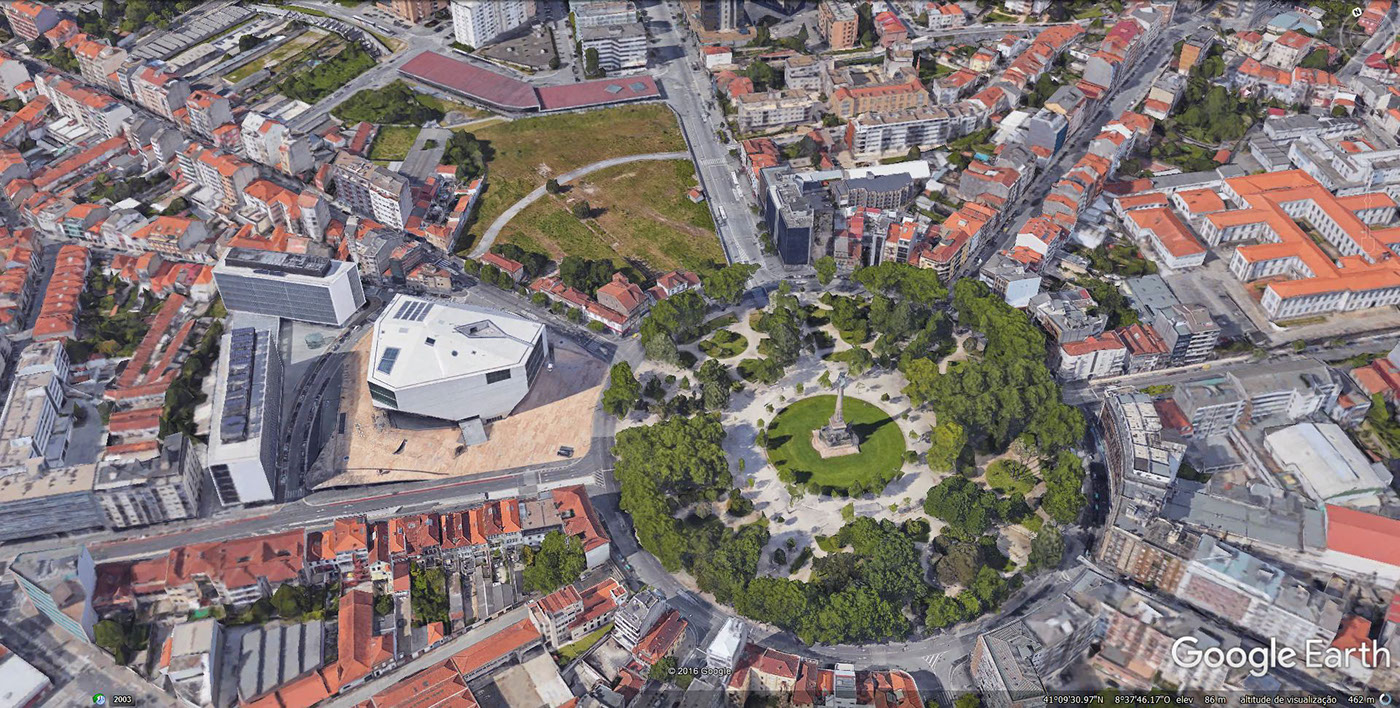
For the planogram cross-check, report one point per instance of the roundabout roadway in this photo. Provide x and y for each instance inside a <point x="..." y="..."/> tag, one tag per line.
<point x="938" y="662"/>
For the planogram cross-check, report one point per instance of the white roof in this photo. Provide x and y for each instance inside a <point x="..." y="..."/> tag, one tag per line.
<point x="1326" y="462"/>
<point x="20" y="682"/>
<point x="729" y="639"/>
<point x="419" y="340"/>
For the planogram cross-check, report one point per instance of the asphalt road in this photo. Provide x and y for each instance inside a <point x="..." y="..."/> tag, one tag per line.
<point x="1383" y="34"/>
<point x="1128" y="93"/>
<point x="689" y="93"/>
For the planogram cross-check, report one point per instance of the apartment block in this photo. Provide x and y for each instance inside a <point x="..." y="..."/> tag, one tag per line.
<point x="720" y="15"/>
<point x="417" y="11"/>
<point x="868" y="89"/>
<point x="140" y="491"/>
<point x="476" y="23"/>
<point x="30" y="19"/>
<point x="601" y="13"/>
<point x="207" y="110"/>
<point x="773" y="109"/>
<point x="95" y="111"/>
<point x="568" y="614"/>
<point x="838" y="24"/>
<point x="159" y="91"/>
<point x="875" y="134"/>
<point x="1290" y="389"/>
<point x="222" y="178"/>
<point x="371" y="190"/>
<point x="98" y="61"/>
<point x="619" y="47"/>
<point x="269" y="142"/>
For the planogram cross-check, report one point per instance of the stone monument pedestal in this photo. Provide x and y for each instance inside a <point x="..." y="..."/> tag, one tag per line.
<point x="836" y="437"/>
<point x="834" y="443"/>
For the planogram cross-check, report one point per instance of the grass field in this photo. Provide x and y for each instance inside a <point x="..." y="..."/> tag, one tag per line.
<point x="724" y="344"/>
<point x="641" y="212"/>
<point x="1010" y="476"/>
<point x="393" y="142"/>
<point x="790" y="445"/>
<point x="530" y="150"/>
<point x="276" y="56"/>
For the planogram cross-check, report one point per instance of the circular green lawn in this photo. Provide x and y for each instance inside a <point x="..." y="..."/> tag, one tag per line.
<point x="878" y="462"/>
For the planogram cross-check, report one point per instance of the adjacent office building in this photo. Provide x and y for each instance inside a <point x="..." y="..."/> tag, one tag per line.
<point x="719" y="15"/>
<point x="290" y="285"/>
<point x="140" y="492"/>
<point x="246" y="425"/>
<point x="34" y="405"/>
<point x="443" y="360"/>
<point x="479" y="22"/>
<point x="60" y="584"/>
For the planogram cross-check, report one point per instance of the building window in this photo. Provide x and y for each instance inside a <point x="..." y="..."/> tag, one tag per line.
<point x="497" y="376"/>
<point x="383" y="395"/>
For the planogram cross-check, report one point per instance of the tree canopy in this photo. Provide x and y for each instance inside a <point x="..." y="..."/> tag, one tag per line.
<point x="662" y="467"/>
<point x="1006" y="391"/>
<point x="468" y="154"/>
<point x="948" y="441"/>
<point x="559" y="561"/>
<point x="1063" y="499"/>
<point x="395" y="103"/>
<point x="727" y="285"/>
<point x="968" y="509"/>
<point x="624" y="391"/>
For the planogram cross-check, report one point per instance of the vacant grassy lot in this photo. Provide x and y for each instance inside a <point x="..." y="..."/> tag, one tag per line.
<point x="790" y="445"/>
<point x="393" y="142"/>
<point x="529" y="151"/>
<point x="724" y="344"/>
<point x="276" y="56"/>
<point x="641" y="212"/>
<point x="569" y="652"/>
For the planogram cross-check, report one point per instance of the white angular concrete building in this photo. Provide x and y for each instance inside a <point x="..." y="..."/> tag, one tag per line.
<point x="440" y="359"/>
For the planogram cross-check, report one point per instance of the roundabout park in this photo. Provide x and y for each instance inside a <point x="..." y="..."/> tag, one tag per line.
<point x="876" y="462"/>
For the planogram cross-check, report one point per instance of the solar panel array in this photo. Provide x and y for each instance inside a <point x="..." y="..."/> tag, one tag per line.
<point x="386" y="362"/>
<point x="413" y="311"/>
<point x="233" y="426"/>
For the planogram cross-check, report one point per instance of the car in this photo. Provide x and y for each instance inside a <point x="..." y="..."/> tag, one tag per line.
<point x="566" y="451"/>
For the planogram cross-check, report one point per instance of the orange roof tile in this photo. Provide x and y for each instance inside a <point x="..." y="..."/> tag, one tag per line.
<point x="488" y="650"/>
<point x="1174" y="235"/>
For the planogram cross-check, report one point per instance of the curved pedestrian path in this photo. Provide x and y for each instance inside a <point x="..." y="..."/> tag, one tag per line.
<point x="494" y="230"/>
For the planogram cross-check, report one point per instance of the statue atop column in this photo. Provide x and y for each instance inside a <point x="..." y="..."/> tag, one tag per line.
<point x="836" y="438"/>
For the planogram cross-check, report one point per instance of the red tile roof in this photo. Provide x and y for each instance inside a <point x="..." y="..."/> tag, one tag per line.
<point x="658" y="642"/>
<point x="596" y="93"/>
<point x="1174" y="235"/>
<point x="472" y="81"/>
<point x="580" y="521"/>
<point x="278" y="558"/>
<point x="1358" y="533"/>
<point x="488" y="650"/>
<point x="1088" y="345"/>
<point x="359" y="650"/>
<point x="438" y="687"/>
